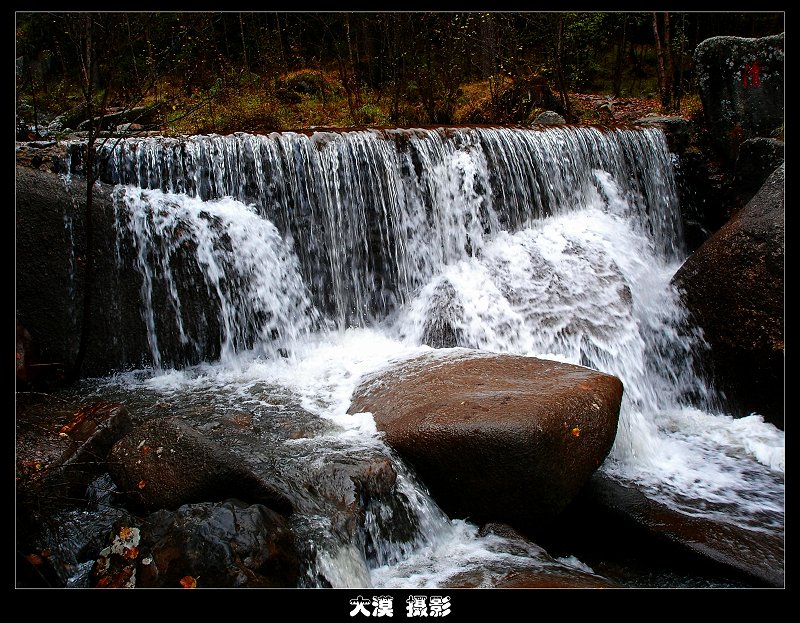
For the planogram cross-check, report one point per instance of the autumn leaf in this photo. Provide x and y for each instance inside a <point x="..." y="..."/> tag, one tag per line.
<point x="79" y="416"/>
<point x="89" y="411"/>
<point x="122" y="578"/>
<point x="576" y="432"/>
<point x="125" y="533"/>
<point x="188" y="581"/>
<point x="34" y="559"/>
<point x="142" y="484"/>
<point x="131" y="552"/>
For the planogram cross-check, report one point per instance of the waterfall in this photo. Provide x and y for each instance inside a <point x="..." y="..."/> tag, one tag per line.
<point x="320" y="257"/>
<point x="373" y="216"/>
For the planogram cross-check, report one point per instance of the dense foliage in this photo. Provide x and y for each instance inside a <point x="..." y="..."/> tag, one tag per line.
<point x="273" y="71"/>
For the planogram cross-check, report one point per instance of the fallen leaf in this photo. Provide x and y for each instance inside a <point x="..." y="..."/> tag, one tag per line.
<point x="142" y="484"/>
<point x="81" y="414"/>
<point x="125" y="533"/>
<point x="576" y="432"/>
<point x="34" y="559"/>
<point x="188" y="581"/>
<point x="131" y="552"/>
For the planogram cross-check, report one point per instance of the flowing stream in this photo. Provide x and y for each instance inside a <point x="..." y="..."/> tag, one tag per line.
<point x="326" y="256"/>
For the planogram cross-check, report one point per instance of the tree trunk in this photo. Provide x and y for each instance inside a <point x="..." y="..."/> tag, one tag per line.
<point x="664" y="61"/>
<point x="669" y="69"/>
<point x="562" y="83"/>
<point x="89" y="62"/>
<point x="244" y="43"/>
<point x="620" y="58"/>
<point x="679" y="89"/>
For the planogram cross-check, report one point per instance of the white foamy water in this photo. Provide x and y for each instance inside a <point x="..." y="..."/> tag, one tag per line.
<point x="328" y="257"/>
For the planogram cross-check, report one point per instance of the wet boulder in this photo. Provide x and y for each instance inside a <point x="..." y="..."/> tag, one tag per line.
<point x="754" y="554"/>
<point x="61" y="448"/>
<point x="211" y="544"/>
<point x="495" y="437"/>
<point x="165" y="463"/>
<point x="733" y="287"/>
<point x="219" y="545"/>
<point x="526" y="566"/>
<point x="757" y="159"/>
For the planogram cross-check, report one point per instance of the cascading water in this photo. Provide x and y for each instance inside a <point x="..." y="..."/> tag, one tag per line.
<point x="326" y="256"/>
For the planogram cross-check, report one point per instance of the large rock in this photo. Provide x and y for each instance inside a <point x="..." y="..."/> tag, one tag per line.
<point x="541" y="570"/>
<point x="52" y="256"/>
<point x="165" y="463"/>
<point x="495" y="437"/>
<point x="218" y="545"/>
<point x="754" y="555"/>
<point x="733" y="287"/>
<point x="51" y="260"/>
<point x="228" y="544"/>
<point x="742" y="88"/>
<point x="757" y="159"/>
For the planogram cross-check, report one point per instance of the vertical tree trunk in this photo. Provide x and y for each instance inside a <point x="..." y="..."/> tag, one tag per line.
<point x="669" y="68"/>
<point x="88" y="271"/>
<point x="562" y="83"/>
<point x="352" y="73"/>
<point x="397" y="65"/>
<point x="664" y="61"/>
<point x="280" y="38"/>
<point x="244" y="43"/>
<point x="620" y="57"/>
<point x="488" y="45"/>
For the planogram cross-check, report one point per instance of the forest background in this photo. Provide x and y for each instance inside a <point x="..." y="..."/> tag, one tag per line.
<point x="223" y="72"/>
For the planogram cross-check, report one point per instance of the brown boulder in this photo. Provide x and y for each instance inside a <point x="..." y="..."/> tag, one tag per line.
<point x="495" y="437"/>
<point x="733" y="287"/>
<point x="165" y="463"/>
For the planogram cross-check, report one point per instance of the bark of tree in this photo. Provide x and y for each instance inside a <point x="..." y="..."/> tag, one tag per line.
<point x="562" y="83"/>
<point x="620" y="57"/>
<point x="88" y="66"/>
<point x="244" y="44"/>
<point x="91" y="35"/>
<point x="679" y="88"/>
<point x="664" y="61"/>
